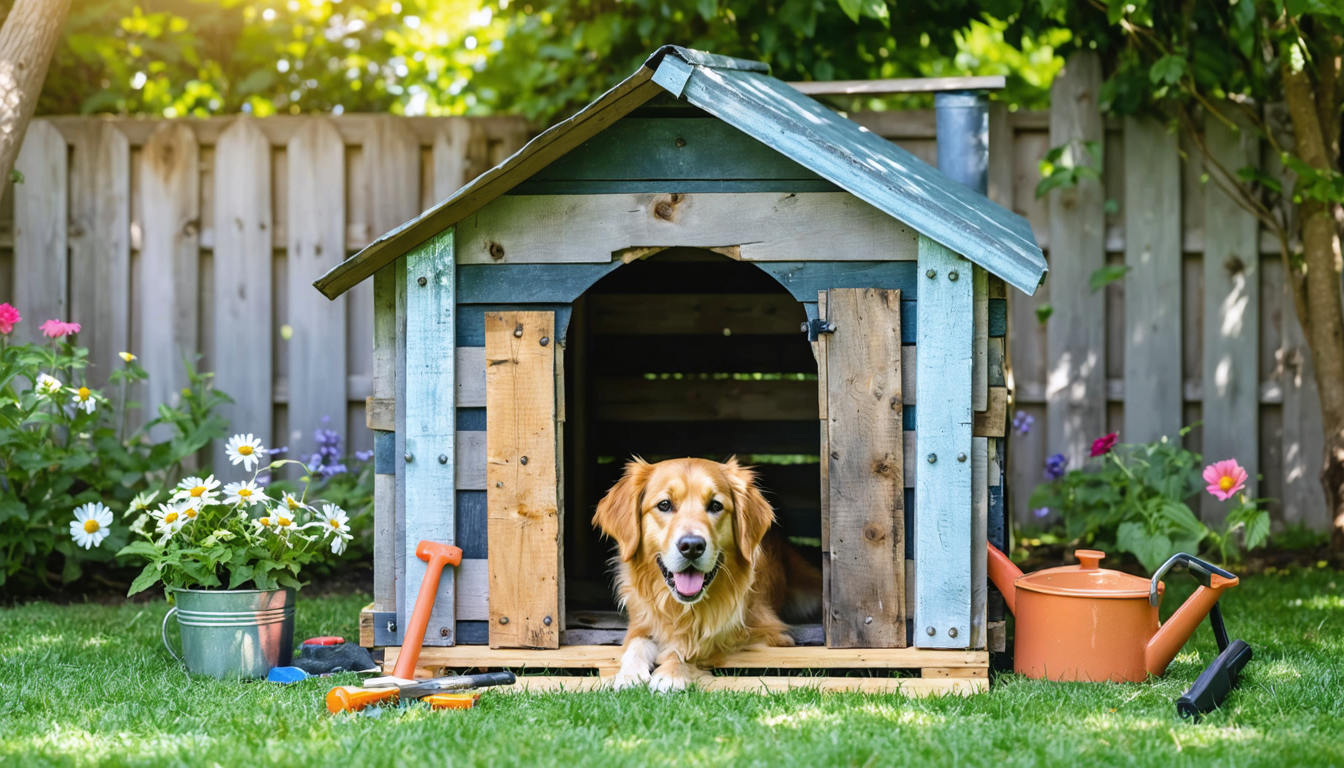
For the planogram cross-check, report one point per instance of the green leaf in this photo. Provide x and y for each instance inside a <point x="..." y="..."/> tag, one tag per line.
<point x="1257" y="529"/>
<point x="852" y="8"/>
<point x="1106" y="275"/>
<point x="239" y="575"/>
<point x="1169" y="69"/>
<point x="142" y="548"/>
<point x="1151" y="549"/>
<point x="147" y="578"/>
<point x="1180" y="516"/>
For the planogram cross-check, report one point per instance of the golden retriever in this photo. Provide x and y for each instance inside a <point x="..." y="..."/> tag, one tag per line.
<point x="699" y="571"/>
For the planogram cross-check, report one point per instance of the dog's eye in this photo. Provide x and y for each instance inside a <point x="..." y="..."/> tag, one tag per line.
<point x="664" y="506"/>
<point x="715" y="506"/>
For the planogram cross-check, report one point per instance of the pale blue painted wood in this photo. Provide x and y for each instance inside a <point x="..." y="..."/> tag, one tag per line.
<point x="429" y="425"/>
<point x="943" y="513"/>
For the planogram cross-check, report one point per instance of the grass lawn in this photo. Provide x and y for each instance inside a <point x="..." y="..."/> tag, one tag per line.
<point x="89" y="684"/>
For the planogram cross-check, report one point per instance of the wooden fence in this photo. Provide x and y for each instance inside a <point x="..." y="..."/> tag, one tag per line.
<point x="173" y="238"/>
<point x="204" y="236"/>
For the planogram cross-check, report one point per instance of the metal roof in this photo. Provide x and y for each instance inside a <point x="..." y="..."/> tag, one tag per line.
<point x="742" y="94"/>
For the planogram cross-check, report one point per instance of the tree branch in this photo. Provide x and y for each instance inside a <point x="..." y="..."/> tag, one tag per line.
<point x="27" y="42"/>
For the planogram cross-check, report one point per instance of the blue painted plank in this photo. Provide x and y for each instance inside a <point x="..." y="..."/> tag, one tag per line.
<point x="471" y="525"/>
<point x="527" y="283"/>
<point x="384" y="452"/>
<point x="998" y="318"/>
<point x="943" y="423"/>
<point x="473" y="633"/>
<point x="909" y="524"/>
<point x="670" y="186"/>
<point x="471" y="419"/>
<point x="804" y="279"/>
<point x="471" y="320"/>
<point x="907" y="417"/>
<point x="429" y="427"/>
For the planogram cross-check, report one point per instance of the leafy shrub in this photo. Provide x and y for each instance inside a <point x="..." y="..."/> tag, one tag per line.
<point x="1134" y="498"/>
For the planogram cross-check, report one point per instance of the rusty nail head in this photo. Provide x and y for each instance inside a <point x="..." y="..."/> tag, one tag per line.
<point x="443" y="458"/>
<point x="933" y="457"/>
<point x="496" y="251"/>
<point x="422" y="281"/>
<point x="518" y="331"/>
<point x="503" y="619"/>
<point x="546" y="621"/>
<point x="932" y="273"/>
<point x="523" y="461"/>
<point x="499" y="485"/>
<point x="953" y="275"/>
<point x="961" y="457"/>
<point x="931" y="631"/>
<point x="952" y="632"/>
<point x="680" y="142"/>
<point x="868" y="620"/>
<point x="545" y="340"/>
<point x="443" y="632"/>
<point x="408" y="457"/>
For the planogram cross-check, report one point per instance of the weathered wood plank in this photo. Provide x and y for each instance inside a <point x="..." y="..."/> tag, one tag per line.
<point x="242" y="281"/>
<point x="100" y="250"/>
<point x="1076" y="343"/>
<point x="317" y="349"/>
<point x="943" y="421"/>
<point x="522" y="479"/>
<point x="41" y="230"/>
<point x="1303" y="440"/>
<point x="993" y="421"/>
<point x="980" y="341"/>
<point x="473" y="590"/>
<point x="1153" y="283"/>
<point x="865" y="605"/>
<point x="979" y="539"/>
<point x="170" y="253"/>
<point x="616" y="314"/>
<point x="430" y="443"/>
<point x="459" y="155"/>
<point x="769" y="226"/>
<point x="696" y="399"/>
<point x="380" y="414"/>
<point x="471" y="461"/>
<point x="1231" y="428"/>
<point x="795" y="657"/>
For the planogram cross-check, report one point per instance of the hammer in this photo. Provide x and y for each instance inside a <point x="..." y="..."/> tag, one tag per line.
<point x="437" y="555"/>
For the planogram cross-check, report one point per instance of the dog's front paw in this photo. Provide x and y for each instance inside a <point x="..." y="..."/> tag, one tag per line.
<point x="630" y="678"/>
<point x="667" y="683"/>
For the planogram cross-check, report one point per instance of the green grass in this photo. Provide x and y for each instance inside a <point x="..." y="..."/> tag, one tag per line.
<point x="88" y="684"/>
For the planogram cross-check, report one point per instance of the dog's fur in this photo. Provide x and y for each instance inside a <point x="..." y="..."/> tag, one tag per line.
<point x="753" y="576"/>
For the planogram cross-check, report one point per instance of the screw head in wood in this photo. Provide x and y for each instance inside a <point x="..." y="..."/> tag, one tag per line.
<point x="421" y="281"/>
<point x="523" y="461"/>
<point x="545" y="340"/>
<point x="952" y="632"/>
<point x="961" y="457"/>
<point x="546" y="621"/>
<point x="503" y="619"/>
<point x="953" y="275"/>
<point x="868" y="620"/>
<point x="496" y="251"/>
<point x="518" y="331"/>
<point x="932" y="273"/>
<point x="680" y="142"/>
<point x="931" y="631"/>
<point x="408" y="457"/>
<point x="443" y="632"/>
<point x="933" y="457"/>
<point x="392" y="626"/>
<point x="443" y="458"/>
<point x="499" y="485"/>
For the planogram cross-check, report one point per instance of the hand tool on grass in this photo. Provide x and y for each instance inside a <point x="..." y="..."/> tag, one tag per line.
<point x="350" y="698"/>
<point x="437" y="556"/>
<point x="1217" y="681"/>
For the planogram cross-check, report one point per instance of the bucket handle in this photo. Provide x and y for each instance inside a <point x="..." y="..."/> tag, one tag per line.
<point x="163" y="634"/>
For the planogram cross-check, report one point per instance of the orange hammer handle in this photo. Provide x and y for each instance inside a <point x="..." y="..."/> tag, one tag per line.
<point x="349" y="698"/>
<point x="437" y="556"/>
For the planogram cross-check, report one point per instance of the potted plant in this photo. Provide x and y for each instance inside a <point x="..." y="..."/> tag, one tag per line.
<point x="229" y="557"/>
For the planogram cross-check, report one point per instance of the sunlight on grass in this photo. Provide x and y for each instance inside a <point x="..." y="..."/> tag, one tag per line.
<point x="1319" y="602"/>
<point x="798" y="718"/>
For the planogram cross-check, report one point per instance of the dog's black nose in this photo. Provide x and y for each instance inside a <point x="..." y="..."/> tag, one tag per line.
<point x="691" y="547"/>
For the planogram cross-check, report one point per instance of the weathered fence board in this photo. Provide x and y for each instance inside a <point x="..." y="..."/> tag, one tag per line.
<point x="100" y="248"/>
<point x="41" y="212"/>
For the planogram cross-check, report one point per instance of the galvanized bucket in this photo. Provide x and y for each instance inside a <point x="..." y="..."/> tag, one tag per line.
<point x="234" y="633"/>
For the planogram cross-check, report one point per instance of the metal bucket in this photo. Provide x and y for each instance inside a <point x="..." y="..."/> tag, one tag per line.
<point x="235" y="633"/>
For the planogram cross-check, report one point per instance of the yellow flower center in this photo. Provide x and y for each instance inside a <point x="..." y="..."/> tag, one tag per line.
<point x="83" y="393"/>
<point x="291" y="503"/>
<point x="266" y="521"/>
<point x="1226" y="483"/>
<point x="197" y="491"/>
<point x="283" y="522"/>
<point x="170" y="518"/>
<point x="191" y="513"/>
<point x="335" y="523"/>
<point x="244" y="492"/>
<point x="91" y="526"/>
<point x="245" y="450"/>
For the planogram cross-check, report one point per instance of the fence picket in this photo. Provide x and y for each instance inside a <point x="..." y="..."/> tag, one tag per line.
<point x="41" y="245"/>
<point x="242" y="283"/>
<point x="100" y="251"/>
<point x="1303" y="439"/>
<point x="170" y="255"/>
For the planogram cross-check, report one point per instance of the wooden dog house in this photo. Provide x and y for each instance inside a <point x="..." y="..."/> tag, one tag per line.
<point x="703" y="261"/>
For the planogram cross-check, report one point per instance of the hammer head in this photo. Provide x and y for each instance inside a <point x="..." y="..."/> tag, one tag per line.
<point x="427" y="550"/>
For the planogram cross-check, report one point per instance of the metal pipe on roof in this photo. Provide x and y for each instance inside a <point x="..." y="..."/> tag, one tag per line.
<point x="963" y="137"/>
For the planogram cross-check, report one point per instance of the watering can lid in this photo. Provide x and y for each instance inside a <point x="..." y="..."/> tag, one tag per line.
<point x="1087" y="579"/>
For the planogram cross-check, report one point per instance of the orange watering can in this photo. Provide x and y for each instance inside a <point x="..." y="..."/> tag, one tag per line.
<point x="1085" y="622"/>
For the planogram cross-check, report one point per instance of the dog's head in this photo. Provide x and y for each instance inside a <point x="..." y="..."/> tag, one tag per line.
<point x="688" y="515"/>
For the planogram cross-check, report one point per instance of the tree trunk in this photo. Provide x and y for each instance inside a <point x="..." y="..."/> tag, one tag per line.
<point x="1316" y="293"/>
<point x="27" y="42"/>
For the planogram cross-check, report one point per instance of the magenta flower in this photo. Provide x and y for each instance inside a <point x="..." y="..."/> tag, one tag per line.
<point x="55" y="329"/>
<point x="8" y="317"/>
<point x="1103" y="445"/>
<point x="1225" y="478"/>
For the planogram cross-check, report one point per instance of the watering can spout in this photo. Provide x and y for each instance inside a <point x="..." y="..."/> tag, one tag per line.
<point x="1004" y="575"/>
<point x="1174" y="633"/>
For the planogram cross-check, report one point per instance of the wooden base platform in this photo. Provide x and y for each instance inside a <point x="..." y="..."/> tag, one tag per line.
<point x="940" y="672"/>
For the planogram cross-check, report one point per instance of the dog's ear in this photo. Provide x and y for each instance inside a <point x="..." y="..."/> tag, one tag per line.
<point x="618" y="512"/>
<point x="754" y="513"/>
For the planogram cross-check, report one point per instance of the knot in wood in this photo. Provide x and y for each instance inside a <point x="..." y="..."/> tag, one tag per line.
<point x="496" y="251"/>
<point x="882" y="467"/>
<point x="1234" y="265"/>
<point x="663" y="211"/>
<point x="874" y="533"/>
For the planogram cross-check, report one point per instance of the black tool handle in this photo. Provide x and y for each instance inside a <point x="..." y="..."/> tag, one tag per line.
<point x="488" y="679"/>
<point x="1215" y="682"/>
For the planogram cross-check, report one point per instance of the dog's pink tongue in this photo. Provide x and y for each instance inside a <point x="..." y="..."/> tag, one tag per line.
<point x="689" y="583"/>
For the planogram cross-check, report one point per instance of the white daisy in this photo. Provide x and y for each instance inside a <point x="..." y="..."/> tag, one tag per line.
<point x="284" y="522"/>
<point x="244" y="494"/>
<point x="139" y="525"/>
<point x="48" y="385"/>
<point x="170" y="519"/>
<point x="141" y="502"/>
<point x="334" y="520"/>
<point x="246" y="450"/>
<point x="338" y="544"/>
<point x="90" y="525"/>
<point x="293" y="504"/>
<point x="83" y="398"/>
<point x="265" y="522"/>
<point x="197" y="491"/>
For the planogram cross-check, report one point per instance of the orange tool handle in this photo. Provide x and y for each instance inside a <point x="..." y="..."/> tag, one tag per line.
<point x="350" y="698"/>
<point x="437" y="556"/>
<point x="452" y="700"/>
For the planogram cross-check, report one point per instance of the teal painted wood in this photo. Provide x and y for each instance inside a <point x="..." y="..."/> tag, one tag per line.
<point x="909" y="319"/>
<point x="804" y="279"/>
<point x="671" y="186"/>
<point x="943" y="426"/>
<point x="429" y="426"/>
<point x="673" y="148"/>
<point x="528" y="283"/>
<point x="471" y="320"/>
<point x="998" y="318"/>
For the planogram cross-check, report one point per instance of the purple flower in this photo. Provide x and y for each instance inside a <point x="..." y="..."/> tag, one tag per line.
<point x="326" y="462"/>
<point x="1022" y="422"/>
<point x="281" y="451"/>
<point x="1054" y="466"/>
<point x="1042" y="512"/>
<point x="363" y="455"/>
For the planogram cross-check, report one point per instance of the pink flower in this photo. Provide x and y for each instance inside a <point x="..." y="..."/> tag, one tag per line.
<point x="8" y="317"/>
<point x="1103" y="445"/>
<point x="55" y="329"/>
<point x="1225" y="478"/>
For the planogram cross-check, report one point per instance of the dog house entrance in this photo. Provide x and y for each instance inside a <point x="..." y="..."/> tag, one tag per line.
<point x="685" y="353"/>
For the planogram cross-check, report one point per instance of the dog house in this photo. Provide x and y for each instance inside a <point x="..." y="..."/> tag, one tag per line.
<point x="703" y="261"/>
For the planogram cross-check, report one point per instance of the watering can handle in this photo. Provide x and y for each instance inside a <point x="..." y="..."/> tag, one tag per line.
<point x="163" y="634"/>
<point x="1201" y="570"/>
